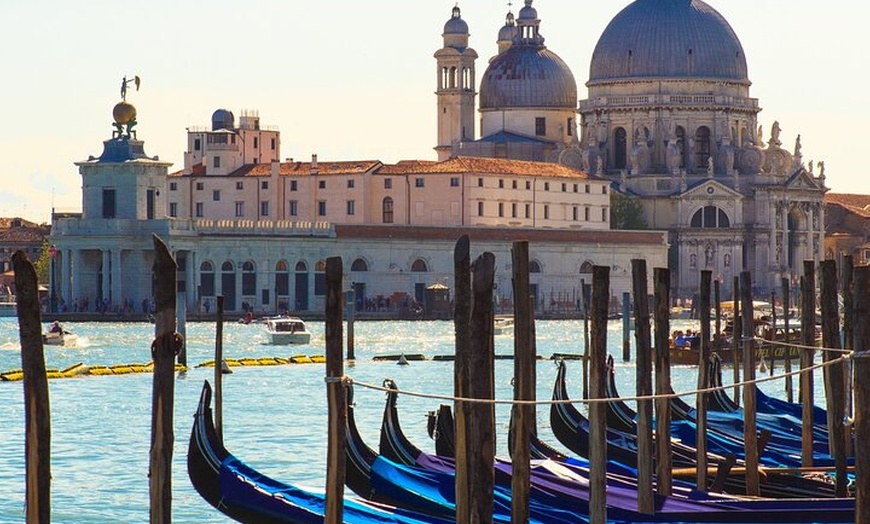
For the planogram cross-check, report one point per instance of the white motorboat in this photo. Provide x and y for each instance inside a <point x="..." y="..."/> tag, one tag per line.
<point x="64" y="338"/>
<point x="283" y="331"/>
<point x="8" y="308"/>
<point x="503" y="325"/>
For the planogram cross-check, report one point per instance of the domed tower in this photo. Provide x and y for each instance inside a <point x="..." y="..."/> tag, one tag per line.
<point x="528" y="90"/>
<point x="507" y="33"/>
<point x="456" y="81"/>
<point x="668" y="87"/>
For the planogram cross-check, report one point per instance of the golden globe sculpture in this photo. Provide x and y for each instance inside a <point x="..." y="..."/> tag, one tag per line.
<point x="124" y="113"/>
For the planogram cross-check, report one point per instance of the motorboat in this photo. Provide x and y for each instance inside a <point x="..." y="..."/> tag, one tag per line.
<point x="8" y="308"/>
<point x="58" y="336"/>
<point x="283" y="331"/>
<point x="503" y="325"/>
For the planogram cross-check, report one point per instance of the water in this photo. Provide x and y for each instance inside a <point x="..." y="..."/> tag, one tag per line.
<point x="274" y="416"/>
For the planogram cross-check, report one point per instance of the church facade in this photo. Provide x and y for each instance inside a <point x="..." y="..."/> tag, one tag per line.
<point x="668" y="119"/>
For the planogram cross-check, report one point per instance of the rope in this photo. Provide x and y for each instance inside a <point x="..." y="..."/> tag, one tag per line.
<point x="799" y="346"/>
<point x="350" y="380"/>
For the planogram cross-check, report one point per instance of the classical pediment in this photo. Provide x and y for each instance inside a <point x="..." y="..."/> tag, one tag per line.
<point x="707" y="190"/>
<point x="802" y="180"/>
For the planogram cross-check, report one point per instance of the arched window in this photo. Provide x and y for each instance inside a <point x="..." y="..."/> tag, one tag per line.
<point x="228" y="267"/>
<point x="419" y="266"/>
<point x="620" y="148"/>
<point x="206" y="279"/>
<point x="282" y="279"/>
<point x="359" y="265"/>
<point x="586" y="268"/>
<point x="249" y="279"/>
<point x="702" y="147"/>
<point x="710" y="217"/>
<point x="388" y="210"/>
<point x="534" y="266"/>
<point x="301" y="266"/>
<point x="319" y="278"/>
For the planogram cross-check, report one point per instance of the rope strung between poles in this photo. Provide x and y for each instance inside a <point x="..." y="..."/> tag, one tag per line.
<point x="799" y="346"/>
<point x="349" y="380"/>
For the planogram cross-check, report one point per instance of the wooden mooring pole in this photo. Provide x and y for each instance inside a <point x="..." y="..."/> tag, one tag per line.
<point x="163" y="351"/>
<point x="351" y="311"/>
<point x="645" y="452"/>
<point x="661" y="283"/>
<point x="835" y="393"/>
<point x="626" y="326"/>
<point x="584" y="292"/>
<point x="524" y="385"/>
<point x="861" y="340"/>
<point x="786" y="310"/>
<point x="598" y="390"/>
<point x="219" y="369"/>
<point x="37" y="413"/>
<point x="336" y="395"/>
<point x="736" y="335"/>
<point x="703" y="380"/>
<point x="462" y="333"/>
<point x="808" y="332"/>
<point x="750" y="426"/>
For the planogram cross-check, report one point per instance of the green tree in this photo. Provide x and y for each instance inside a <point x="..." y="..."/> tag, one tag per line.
<point x="43" y="263"/>
<point x="626" y="212"/>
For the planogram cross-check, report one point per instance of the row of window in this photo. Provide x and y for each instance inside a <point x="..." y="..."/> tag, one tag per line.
<point x="527" y="208"/>
<point x="224" y="139"/>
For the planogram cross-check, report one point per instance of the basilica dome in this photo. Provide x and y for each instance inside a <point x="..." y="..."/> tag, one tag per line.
<point x="528" y="75"/>
<point x="668" y="39"/>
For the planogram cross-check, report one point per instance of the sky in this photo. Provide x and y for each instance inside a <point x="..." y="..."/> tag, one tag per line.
<point x="356" y="80"/>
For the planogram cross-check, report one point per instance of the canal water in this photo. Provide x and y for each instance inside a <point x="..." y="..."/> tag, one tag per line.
<point x="274" y="416"/>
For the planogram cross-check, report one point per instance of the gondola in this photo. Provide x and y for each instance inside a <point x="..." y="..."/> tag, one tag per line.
<point x="441" y="429"/>
<point x="248" y="496"/>
<point x="560" y="493"/>
<point x="571" y="428"/>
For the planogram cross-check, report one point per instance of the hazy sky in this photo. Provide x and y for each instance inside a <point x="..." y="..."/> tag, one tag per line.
<point x="355" y="80"/>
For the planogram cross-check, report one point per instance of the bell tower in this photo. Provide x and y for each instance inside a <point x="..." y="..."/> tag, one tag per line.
<point x="456" y="81"/>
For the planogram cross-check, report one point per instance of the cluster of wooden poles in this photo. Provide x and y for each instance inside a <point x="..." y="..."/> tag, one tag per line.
<point x="474" y="385"/>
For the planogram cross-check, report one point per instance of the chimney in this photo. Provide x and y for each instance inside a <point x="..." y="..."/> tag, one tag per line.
<point x="314" y="168"/>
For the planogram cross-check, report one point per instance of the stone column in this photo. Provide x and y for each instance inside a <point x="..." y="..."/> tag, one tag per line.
<point x="76" y="268"/>
<point x="117" y="282"/>
<point x="107" y="268"/>
<point x="65" y="271"/>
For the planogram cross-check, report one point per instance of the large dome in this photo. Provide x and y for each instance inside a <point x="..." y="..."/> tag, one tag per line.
<point x="528" y="76"/>
<point x="668" y="39"/>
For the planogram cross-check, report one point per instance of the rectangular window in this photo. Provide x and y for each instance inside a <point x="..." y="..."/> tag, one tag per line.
<point x="240" y="209"/>
<point x="200" y="186"/>
<point x="603" y="190"/>
<point x="294" y="185"/>
<point x="249" y="283"/>
<point x="350" y="184"/>
<point x="321" y="208"/>
<point x="173" y="209"/>
<point x="273" y="144"/>
<point x="240" y="185"/>
<point x="570" y="127"/>
<point x="216" y="162"/>
<point x="479" y="182"/>
<point x="351" y="207"/>
<point x="264" y="209"/>
<point x="173" y="186"/>
<point x="604" y="214"/>
<point x="109" y="203"/>
<point x="587" y="188"/>
<point x="528" y="211"/>
<point x="513" y="184"/>
<point x="388" y="183"/>
<point x="586" y="214"/>
<point x="216" y="195"/>
<point x="513" y="210"/>
<point x="501" y="183"/>
<point x="319" y="284"/>
<point x="576" y="188"/>
<point x="576" y="213"/>
<point x="264" y="184"/>
<point x="419" y="182"/>
<point x="454" y="181"/>
<point x="199" y="207"/>
<point x="197" y="144"/>
<point x="546" y="212"/>
<point x="546" y="186"/>
<point x="528" y="185"/>
<point x="564" y="187"/>
<point x="294" y="208"/>
<point x="480" y="209"/>
<point x="540" y="126"/>
<point x="256" y="142"/>
<point x="501" y="209"/>
<point x="321" y="184"/>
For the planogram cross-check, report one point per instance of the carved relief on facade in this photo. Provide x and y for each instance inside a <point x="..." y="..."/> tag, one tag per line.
<point x="750" y="159"/>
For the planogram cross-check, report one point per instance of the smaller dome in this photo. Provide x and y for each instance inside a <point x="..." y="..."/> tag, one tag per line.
<point x="509" y="30"/>
<point x="222" y="119"/>
<point x="528" y="12"/>
<point x="456" y="25"/>
<point x="124" y="113"/>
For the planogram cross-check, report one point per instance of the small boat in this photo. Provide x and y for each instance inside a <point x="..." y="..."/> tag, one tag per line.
<point x="58" y="336"/>
<point x="503" y="325"/>
<point x="287" y="330"/>
<point x="8" y="307"/>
